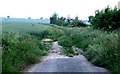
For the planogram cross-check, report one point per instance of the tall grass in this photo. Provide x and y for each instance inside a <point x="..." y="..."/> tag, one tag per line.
<point x="22" y="46"/>
<point x="21" y="43"/>
<point x="20" y="50"/>
<point x="39" y="34"/>
<point x="54" y="33"/>
<point x="100" y="47"/>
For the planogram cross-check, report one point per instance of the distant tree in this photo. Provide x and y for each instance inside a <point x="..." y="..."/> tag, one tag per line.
<point x="8" y="16"/>
<point x="53" y="18"/>
<point x="61" y="21"/>
<point x="68" y="19"/>
<point x="29" y="17"/>
<point x="41" y="18"/>
<point x="77" y="23"/>
<point x="91" y="19"/>
<point x="76" y="18"/>
<point x="64" y="19"/>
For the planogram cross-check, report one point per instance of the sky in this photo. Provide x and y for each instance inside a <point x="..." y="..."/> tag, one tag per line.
<point x="45" y="8"/>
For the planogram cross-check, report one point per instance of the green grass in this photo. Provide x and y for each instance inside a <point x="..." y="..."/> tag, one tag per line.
<point x="65" y="41"/>
<point x="100" y="47"/>
<point x="22" y="27"/>
<point x="22" y="44"/>
<point x="54" y="32"/>
<point x="68" y="51"/>
<point x="20" y="51"/>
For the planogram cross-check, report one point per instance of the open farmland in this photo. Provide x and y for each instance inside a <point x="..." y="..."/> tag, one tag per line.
<point x="22" y="44"/>
<point x="60" y="36"/>
<point x="22" y="27"/>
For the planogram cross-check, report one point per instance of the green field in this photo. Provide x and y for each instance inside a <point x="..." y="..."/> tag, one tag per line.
<point x="21" y="26"/>
<point x="21" y="43"/>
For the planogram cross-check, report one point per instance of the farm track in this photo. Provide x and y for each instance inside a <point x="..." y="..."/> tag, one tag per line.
<point x="55" y="62"/>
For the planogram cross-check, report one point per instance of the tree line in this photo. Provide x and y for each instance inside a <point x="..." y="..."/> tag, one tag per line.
<point x="107" y="19"/>
<point x="62" y="21"/>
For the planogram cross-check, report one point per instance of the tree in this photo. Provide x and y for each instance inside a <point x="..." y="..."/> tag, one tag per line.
<point x="77" y="23"/>
<point x="61" y="21"/>
<point x="8" y="16"/>
<point x="106" y="19"/>
<point x="76" y="18"/>
<point x="29" y="17"/>
<point x="41" y="18"/>
<point x="54" y="18"/>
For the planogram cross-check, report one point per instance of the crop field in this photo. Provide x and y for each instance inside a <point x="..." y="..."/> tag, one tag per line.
<point x="14" y="26"/>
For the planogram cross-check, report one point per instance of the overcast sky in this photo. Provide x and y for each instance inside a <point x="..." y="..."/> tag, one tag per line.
<point x="45" y="8"/>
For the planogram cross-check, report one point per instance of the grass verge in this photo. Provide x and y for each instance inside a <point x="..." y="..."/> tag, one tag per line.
<point x="20" y="50"/>
<point x="100" y="47"/>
